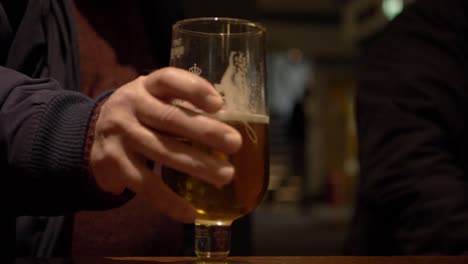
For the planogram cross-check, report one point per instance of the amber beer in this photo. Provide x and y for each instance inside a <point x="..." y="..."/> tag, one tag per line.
<point x="244" y="193"/>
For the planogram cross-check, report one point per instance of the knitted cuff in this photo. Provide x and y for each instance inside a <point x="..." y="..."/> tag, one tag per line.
<point x="104" y="197"/>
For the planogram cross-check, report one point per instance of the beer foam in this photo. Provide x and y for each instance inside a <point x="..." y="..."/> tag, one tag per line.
<point x="240" y="117"/>
<point x="241" y="86"/>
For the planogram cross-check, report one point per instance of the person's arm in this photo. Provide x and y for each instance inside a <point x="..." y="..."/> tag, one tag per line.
<point x="45" y="132"/>
<point x="59" y="153"/>
<point x="42" y="136"/>
<point x="412" y="116"/>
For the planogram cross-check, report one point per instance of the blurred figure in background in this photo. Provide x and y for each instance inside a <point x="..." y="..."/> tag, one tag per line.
<point x="412" y="116"/>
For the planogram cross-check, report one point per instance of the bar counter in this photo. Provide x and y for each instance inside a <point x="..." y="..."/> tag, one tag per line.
<point x="255" y="260"/>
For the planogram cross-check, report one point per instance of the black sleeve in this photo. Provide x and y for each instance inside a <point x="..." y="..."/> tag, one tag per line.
<point x="43" y="131"/>
<point x="412" y="116"/>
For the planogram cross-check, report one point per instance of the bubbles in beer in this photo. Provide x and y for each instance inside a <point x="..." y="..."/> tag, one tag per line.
<point x="250" y="181"/>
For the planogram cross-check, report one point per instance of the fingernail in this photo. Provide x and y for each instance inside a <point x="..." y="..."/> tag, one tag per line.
<point x="232" y="138"/>
<point x="214" y="100"/>
<point x="227" y="172"/>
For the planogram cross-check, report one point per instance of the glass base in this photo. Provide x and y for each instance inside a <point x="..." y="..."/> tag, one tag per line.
<point x="209" y="262"/>
<point x="219" y="262"/>
<point x="212" y="242"/>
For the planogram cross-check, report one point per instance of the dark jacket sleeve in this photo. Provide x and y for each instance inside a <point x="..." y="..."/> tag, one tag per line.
<point x="43" y="131"/>
<point x="412" y="116"/>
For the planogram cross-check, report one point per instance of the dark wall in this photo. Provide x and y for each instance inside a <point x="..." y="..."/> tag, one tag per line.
<point x="239" y="9"/>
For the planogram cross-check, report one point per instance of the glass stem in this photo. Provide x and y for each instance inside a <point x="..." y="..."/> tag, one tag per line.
<point x="212" y="241"/>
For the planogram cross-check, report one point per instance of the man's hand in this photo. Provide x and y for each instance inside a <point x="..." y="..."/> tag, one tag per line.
<point x="137" y="123"/>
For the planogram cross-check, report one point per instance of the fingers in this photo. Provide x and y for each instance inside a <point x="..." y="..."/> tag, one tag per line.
<point x="106" y="166"/>
<point x="115" y="167"/>
<point x="173" y="83"/>
<point x="134" y="124"/>
<point x="155" y="111"/>
<point x="160" y="196"/>
<point x="184" y="123"/>
<point x="181" y="156"/>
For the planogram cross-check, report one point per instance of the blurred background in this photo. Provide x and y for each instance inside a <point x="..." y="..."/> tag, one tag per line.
<point x="313" y="47"/>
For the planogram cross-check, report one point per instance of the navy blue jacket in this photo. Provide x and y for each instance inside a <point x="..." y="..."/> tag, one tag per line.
<point x="43" y="124"/>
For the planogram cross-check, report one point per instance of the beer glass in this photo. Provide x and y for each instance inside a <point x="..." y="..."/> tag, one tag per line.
<point x="230" y="53"/>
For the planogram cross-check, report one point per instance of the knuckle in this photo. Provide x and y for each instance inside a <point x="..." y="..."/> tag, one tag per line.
<point x="198" y="167"/>
<point x="106" y="157"/>
<point x="113" y="123"/>
<point x="159" y="151"/>
<point x="162" y="155"/>
<point x="127" y="95"/>
<point x="165" y="74"/>
<point x="213" y="130"/>
<point x="169" y="114"/>
<point x="141" y="79"/>
<point x="208" y="129"/>
<point x="111" y="152"/>
<point x="121" y="100"/>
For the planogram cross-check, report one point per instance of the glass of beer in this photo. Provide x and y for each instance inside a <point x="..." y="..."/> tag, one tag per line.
<point x="230" y="53"/>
